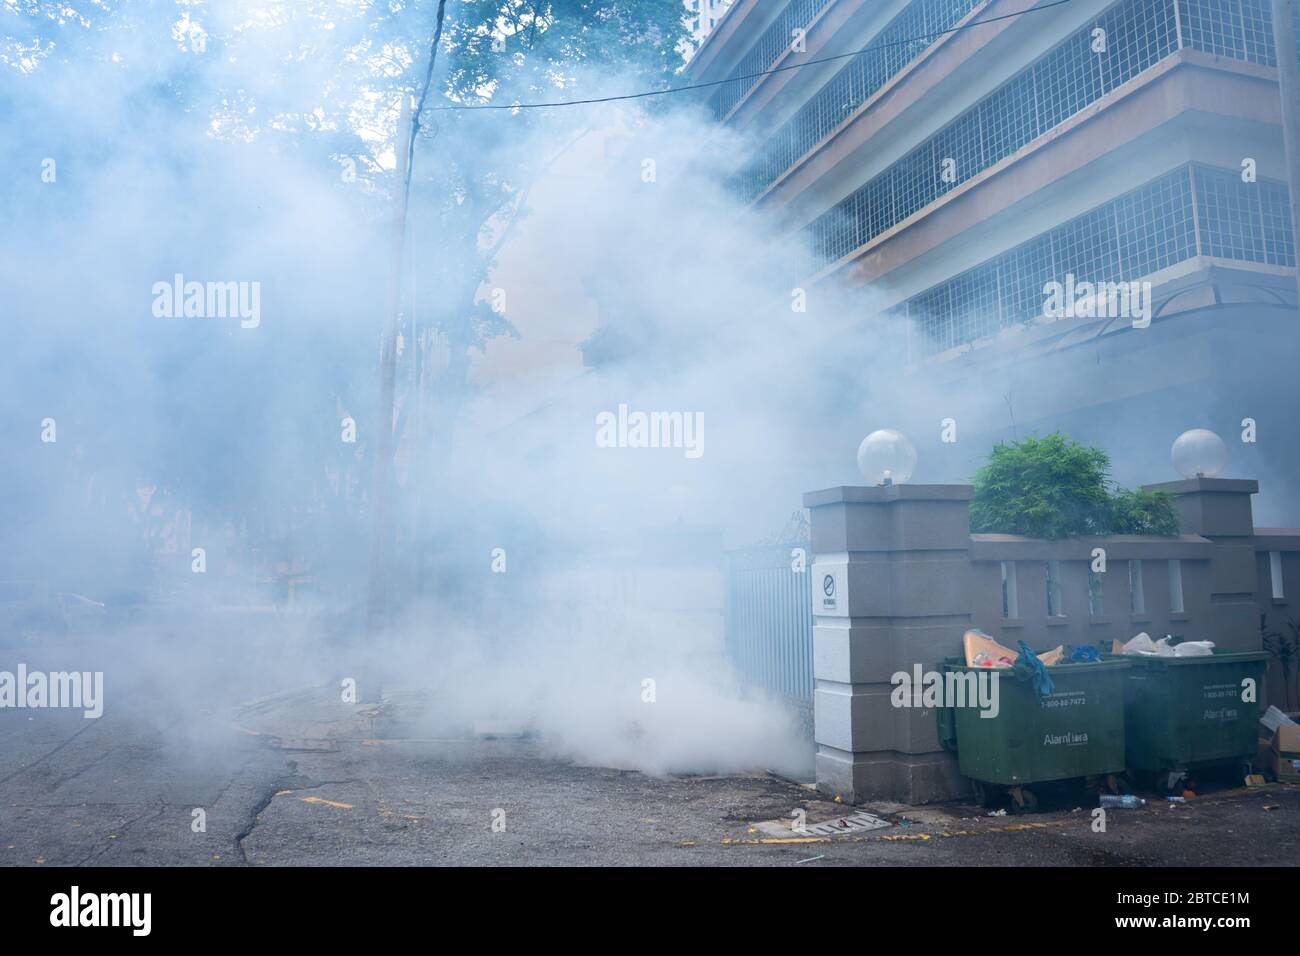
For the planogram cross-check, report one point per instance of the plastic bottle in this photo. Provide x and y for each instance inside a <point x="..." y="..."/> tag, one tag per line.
<point x="1126" y="802"/>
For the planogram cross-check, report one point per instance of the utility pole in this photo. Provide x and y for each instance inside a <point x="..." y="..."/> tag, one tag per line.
<point x="381" y="508"/>
<point x="1289" y="78"/>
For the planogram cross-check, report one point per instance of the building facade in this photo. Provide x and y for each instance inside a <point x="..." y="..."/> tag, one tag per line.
<point x="955" y="158"/>
<point x="703" y="15"/>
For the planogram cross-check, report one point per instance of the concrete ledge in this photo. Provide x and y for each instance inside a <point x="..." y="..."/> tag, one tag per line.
<point x="1235" y="486"/>
<point x="1010" y="547"/>
<point x="860" y="778"/>
<point x="882" y="494"/>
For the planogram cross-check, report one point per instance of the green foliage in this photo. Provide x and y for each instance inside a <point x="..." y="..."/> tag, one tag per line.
<point x="1142" y="512"/>
<point x="245" y="100"/>
<point x="1054" y="487"/>
<point x="1042" y="488"/>
<point x="554" y="49"/>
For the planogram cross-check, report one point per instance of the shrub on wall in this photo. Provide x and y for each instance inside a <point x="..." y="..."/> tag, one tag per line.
<point x="1054" y="487"/>
<point x="1143" y="512"/>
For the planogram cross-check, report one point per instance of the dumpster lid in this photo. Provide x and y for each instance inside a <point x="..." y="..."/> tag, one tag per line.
<point x="1215" y="657"/>
<point x="957" y="664"/>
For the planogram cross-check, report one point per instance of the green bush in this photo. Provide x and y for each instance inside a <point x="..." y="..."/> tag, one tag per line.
<point x="1053" y="487"/>
<point x="1142" y="512"/>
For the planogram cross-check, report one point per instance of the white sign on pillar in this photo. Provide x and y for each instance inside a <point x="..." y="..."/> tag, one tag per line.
<point x="829" y="593"/>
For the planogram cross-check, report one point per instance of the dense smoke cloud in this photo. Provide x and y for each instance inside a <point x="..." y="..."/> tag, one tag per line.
<point x="175" y="425"/>
<point x="634" y="284"/>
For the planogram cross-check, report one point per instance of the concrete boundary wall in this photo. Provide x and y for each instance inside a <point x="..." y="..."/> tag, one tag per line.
<point x="897" y="578"/>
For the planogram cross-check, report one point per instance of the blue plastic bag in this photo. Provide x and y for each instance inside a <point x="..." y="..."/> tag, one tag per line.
<point x="1029" y="667"/>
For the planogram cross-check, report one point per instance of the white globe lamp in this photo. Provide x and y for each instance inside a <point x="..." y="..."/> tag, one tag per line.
<point x="1199" y="453"/>
<point x="886" y="457"/>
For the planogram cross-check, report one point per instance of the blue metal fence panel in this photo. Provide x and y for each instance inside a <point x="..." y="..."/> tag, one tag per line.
<point x="769" y="620"/>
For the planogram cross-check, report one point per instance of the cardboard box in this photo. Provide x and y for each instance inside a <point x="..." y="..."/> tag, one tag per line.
<point x="1286" y="753"/>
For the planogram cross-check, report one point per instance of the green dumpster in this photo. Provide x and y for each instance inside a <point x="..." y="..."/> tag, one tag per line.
<point x="1075" y="731"/>
<point x="1183" y="713"/>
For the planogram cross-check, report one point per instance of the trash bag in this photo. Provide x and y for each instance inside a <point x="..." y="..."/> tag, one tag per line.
<point x="1143" y="646"/>
<point x="1085" y="654"/>
<point x="1029" y="668"/>
<point x="1164" y="648"/>
<point x="982" y="651"/>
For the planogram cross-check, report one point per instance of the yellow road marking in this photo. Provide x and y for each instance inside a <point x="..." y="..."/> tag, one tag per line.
<point x="328" y="803"/>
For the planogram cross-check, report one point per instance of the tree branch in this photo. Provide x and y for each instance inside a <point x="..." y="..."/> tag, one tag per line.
<point x="522" y="196"/>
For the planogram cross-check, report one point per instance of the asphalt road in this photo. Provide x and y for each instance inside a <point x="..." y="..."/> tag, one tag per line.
<point x="122" y="790"/>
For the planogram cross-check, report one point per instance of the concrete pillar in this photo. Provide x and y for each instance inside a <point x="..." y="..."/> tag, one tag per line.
<point x="1220" y="509"/>
<point x="891" y="589"/>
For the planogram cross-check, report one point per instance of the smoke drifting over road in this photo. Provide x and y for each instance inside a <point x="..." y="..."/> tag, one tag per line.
<point x="194" y="288"/>
<point x="195" y="298"/>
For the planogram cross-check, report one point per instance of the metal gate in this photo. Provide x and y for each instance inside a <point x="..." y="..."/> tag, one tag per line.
<point x="769" y="618"/>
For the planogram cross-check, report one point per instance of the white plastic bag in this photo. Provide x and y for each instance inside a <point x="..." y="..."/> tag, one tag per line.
<point x="1163" y="647"/>
<point x="1140" y="645"/>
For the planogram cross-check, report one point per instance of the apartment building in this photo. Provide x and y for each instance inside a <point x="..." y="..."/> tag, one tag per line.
<point x="978" y="151"/>
<point x="703" y="15"/>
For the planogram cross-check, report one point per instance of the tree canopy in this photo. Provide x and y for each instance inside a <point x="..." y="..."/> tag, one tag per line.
<point x="256" y="140"/>
<point x="1054" y="487"/>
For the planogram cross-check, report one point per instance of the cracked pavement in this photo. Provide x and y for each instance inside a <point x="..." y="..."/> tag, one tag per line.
<point x="121" y="791"/>
<point x="298" y="779"/>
